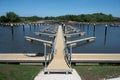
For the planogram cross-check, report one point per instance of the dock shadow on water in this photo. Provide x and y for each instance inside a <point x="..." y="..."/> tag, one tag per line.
<point x="107" y="39"/>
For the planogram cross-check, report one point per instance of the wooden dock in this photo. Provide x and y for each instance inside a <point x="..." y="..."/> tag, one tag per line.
<point x="79" y="33"/>
<point x="59" y="56"/>
<point x="76" y="58"/>
<point x="20" y="58"/>
<point x="31" y="39"/>
<point x="79" y="40"/>
<point x="58" y="64"/>
<point x="96" y="58"/>
<point x="50" y="35"/>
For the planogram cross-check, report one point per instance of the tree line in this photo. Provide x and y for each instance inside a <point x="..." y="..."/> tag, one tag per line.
<point x="96" y="17"/>
<point x="10" y="17"/>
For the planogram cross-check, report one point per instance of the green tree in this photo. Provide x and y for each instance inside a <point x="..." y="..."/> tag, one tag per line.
<point x="12" y="17"/>
<point x="34" y="18"/>
<point x="3" y="19"/>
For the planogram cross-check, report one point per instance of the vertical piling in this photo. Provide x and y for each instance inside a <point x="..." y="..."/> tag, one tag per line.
<point x="94" y="30"/>
<point x="23" y="28"/>
<point x="105" y="35"/>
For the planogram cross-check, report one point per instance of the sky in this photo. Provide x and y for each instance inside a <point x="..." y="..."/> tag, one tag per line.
<point x="44" y="8"/>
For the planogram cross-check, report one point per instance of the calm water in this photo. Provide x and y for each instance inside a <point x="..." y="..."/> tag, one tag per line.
<point x="12" y="40"/>
<point x="107" y="39"/>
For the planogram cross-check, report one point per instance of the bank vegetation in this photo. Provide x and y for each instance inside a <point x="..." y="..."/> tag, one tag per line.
<point x="96" y="17"/>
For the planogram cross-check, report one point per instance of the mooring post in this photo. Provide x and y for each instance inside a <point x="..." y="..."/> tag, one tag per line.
<point x="94" y="29"/>
<point x="30" y="27"/>
<point x="105" y="34"/>
<point x="23" y="28"/>
<point x="45" y="55"/>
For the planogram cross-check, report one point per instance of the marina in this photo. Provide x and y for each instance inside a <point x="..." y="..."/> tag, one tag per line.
<point x="58" y="50"/>
<point x="104" y="43"/>
<point x="59" y="40"/>
<point x="75" y="57"/>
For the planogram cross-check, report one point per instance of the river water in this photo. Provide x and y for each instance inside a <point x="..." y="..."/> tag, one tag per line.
<point x="107" y="39"/>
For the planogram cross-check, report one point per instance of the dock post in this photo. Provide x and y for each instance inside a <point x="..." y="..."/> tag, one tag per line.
<point x="30" y="27"/>
<point x="94" y="30"/>
<point x="23" y="28"/>
<point x="105" y="35"/>
<point x="45" y="55"/>
<point x="12" y="30"/>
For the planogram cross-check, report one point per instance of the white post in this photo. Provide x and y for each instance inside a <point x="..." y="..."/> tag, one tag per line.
<point x="45" y="55"/>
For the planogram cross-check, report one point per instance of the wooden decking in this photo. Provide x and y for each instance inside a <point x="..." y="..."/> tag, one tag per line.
<point x="96" y="57"/>
<point x="80" y="33"/>
<point x="38" y="33"/>
<point x="20" y="58"/>
<point x="76" y="57"/>
<point x="58" y="63"/>
<point x="30" y="39"/>
<point x="79" y="40"/>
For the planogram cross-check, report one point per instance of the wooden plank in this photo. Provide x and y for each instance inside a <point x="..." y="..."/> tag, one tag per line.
<point x="96" y="56"/>
<point x="80" y="33"/>
<point x="50" y="35"/>
<point x="79" y="40"/>
<point x="45" y="41"/>
<point x="20" y="57"/>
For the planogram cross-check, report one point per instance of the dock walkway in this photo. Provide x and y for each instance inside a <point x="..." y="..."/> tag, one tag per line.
<point x="58" y="63"/>
<point x="76" y="58"/>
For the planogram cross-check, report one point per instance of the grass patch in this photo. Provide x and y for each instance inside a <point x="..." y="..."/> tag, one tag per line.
<point x="18" y="72"/>
<point x="21" y="72"/>
<point x="98" y="72"/>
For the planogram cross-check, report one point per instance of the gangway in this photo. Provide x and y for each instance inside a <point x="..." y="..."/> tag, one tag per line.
<point x="60" y="59"/>
<point x="58" y="64"/>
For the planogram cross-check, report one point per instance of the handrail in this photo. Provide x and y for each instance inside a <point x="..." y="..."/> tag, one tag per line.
<point x="66" y="54"/>
<point x="55" y="43"/>
<point x="67" y="57"/>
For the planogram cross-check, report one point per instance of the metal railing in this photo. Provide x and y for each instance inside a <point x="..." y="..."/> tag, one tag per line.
<point x="67" y="56"/>
<point x="48" y="57"/>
